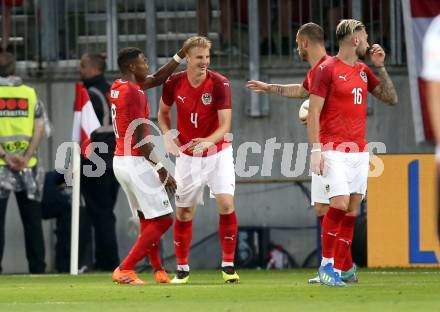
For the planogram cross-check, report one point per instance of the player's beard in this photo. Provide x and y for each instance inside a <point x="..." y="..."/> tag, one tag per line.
<point x="362" y="53"/>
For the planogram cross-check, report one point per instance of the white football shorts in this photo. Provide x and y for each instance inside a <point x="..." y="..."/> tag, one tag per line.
<point x="142" y="186"/>
<point x="345" y="173"/>
<point x="319" y="195"/>
<point x="193" y="173"/>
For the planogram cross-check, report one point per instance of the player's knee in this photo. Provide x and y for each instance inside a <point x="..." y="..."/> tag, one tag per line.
<point x="352" y="212"/>
<point x="340" y="203"/>
<point x="320" y="209"/>
<point x="184" y="214"/>
<point x="226" y="208"/>
<point x="341" y="206"/>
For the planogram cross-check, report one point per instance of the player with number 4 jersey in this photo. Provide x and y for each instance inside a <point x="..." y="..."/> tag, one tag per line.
<point x="203" y="101"/>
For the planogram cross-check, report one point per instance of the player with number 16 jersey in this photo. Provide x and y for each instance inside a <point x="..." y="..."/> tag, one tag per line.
<point x="336" y="130"/>
<point x="345" y="88"/>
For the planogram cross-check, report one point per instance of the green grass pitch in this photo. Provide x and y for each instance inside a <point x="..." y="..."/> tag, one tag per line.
<point x="378" y="291"/>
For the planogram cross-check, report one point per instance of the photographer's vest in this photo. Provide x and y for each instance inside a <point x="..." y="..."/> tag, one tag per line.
<point x="17" y="110"/>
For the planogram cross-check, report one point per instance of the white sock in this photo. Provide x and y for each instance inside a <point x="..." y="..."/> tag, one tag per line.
<point x="326" y="261"/>
<point x="226" y="264"/>
<point x="183" y="267"/>
<point x="338" y="271"/>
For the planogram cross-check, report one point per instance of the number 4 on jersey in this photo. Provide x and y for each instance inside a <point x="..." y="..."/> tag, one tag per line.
<point x="194" y="119"/>
<point x="357" y="96"/>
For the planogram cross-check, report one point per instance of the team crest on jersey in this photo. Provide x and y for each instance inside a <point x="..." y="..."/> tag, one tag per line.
<point x="206" y="98"/>
<point x="327" y="188"/>
<point x="364" y="76"/>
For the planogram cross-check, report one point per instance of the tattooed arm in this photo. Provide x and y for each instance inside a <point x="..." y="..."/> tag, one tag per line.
<point x="385" y="91"/>
<point x="289" y="90"/>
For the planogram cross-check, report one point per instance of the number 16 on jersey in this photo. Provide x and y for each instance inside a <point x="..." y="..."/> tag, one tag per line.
<point x="357" y="96"/>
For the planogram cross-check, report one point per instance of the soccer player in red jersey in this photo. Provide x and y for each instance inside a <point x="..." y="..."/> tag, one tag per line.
<point x="138" y="170"/>
<point x="204" y="109"/>
<point x="336" y="130"/>
<point x="311" y="49"/>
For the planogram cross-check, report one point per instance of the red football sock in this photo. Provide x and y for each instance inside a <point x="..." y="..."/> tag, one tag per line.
<point x="182" y="240"/>
<point x="228" y="235"/>
<point x="154" y="252"/>
<point x="343" y="245"/>
<point x="348" y="264"/>
<point x="151" y="232"/>
<point x="330" y="227"/>
<point x="161" y="224"/>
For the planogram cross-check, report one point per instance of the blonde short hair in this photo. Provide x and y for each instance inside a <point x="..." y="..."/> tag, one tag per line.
<point x="197" y="41"/>
<point x="347" y="27"/>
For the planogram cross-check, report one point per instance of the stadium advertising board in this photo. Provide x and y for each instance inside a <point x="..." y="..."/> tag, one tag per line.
<point x="402" y="215"/>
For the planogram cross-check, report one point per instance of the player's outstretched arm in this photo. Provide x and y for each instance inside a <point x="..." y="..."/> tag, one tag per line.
<point x="159" y="77"/>
<point x="288" y="90"/>
<point x="385" y="91"/>
<point x="315" y="107"/>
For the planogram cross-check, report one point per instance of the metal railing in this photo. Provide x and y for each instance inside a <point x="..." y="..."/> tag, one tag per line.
<point x="57" y="32"/>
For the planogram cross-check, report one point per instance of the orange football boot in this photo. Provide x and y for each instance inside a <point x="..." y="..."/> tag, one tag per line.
<point x="128" y="277"/>
<point x="161" y="277"/>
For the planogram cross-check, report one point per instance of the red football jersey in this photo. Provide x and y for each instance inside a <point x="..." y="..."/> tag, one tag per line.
<point x="197" y="115"/>
<point x="344" y="115"/>
<point x="311" y="73"/>
<point x="128" y="102"/>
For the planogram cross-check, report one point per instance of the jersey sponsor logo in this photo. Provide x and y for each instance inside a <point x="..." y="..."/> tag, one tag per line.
<point x="141" y="91"/>
<point x="226" y="84"/>
<point x="206" y="98"/>
<point x="229" y="237"/>
<point x="14" y="107"/>
<point x="343" y="77"/>
<point x="114" y="94"/>
<point x="182" y="98"/>
<point x="166" y="203"/>
<point x="364" y="76"/>
<point x="321" y="66"/>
